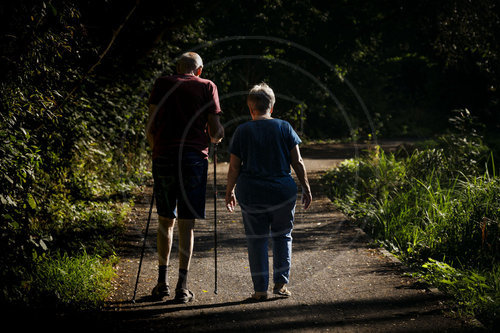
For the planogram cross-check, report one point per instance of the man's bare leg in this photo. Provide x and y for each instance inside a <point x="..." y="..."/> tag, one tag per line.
<point x="186" y="244"/>
<point x="164" y="240"/>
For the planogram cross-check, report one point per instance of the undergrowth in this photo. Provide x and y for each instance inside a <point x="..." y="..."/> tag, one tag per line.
<point x="77" y="282"/>
<point x="437" y="207"/>
<point x="73" y="153"/>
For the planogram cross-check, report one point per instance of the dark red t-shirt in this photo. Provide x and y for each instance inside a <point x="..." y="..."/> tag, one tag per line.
<point x="184" y="102"/>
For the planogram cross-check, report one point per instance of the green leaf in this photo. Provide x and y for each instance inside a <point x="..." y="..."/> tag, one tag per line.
<point x="31" y="201"/>
<point x="8" y="179"/>
<point x="445" y="281"/>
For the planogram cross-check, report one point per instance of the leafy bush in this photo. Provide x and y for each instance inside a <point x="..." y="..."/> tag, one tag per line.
<point x="73" y="147"/>
<point x="357" y="183"/>
<point x="87" y="225"/>
<point x="439" y="202"/>
<point x="477" y="293"/>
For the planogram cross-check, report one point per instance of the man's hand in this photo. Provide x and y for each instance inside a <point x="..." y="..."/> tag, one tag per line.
<point x="215" y="128"/>
<point x="215" y="140"/>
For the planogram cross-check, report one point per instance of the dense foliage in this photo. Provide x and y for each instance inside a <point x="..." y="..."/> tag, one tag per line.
<point x="75" y="77"/>
<point x="437" y="206"/>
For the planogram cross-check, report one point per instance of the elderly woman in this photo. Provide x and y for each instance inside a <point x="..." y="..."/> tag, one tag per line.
<point x="262" y="151"/>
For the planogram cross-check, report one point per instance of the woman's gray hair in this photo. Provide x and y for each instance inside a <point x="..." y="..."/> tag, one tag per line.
<point x="261" y="96"/>
<point x="189" y="62"/>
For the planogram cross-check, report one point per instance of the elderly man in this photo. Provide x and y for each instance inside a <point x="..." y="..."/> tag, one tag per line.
<point x="184" y="115"/>
<point x="262" y="151"/>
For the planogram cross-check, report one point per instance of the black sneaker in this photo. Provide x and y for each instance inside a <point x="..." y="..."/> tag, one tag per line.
<point x="160" y="290"/>
<point x="183" y="295"/>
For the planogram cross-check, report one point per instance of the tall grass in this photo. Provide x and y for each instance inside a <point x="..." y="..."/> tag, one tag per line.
<point x="437" y="208"/>
<point x="77" y="282"/>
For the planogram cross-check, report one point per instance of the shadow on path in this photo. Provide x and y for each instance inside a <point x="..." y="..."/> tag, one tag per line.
<point x="398" y="314"/>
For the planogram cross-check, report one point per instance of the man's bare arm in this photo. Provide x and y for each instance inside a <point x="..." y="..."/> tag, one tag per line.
<point x="149" y="125"/>
<point x="215" y="128"/>
<point x="300" y="170"/>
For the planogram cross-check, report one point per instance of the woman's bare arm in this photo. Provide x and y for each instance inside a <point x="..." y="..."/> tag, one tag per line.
<point x="300" y="170"/>
<point x="232" y="177"/>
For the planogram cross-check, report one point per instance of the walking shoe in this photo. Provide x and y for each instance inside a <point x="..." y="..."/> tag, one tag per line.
<point x="260" y="295"/>
<point x="282" y="290"/>
<point x="160" y="290"/>
<point x="183" y="295"/>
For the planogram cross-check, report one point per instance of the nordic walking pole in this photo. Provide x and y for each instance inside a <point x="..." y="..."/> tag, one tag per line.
<point x="215" y="215"/>
<point x="144" y="244"/>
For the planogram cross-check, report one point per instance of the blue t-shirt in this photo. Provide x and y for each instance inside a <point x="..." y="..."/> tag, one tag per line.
<point x="264" y="149"/>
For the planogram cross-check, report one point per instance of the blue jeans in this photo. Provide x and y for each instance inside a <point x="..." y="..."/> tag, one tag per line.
<point x="262" y="223"/>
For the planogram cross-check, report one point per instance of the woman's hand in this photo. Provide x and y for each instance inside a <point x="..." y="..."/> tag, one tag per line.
<point x="230" y="201"/>
<point x="306" y="198"/>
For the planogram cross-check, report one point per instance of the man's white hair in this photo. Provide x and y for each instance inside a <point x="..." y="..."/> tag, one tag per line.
<point x="261" y="96"/>
<point x="189" y="62"/>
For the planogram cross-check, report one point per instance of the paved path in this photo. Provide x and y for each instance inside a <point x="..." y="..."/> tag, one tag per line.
<point x="339" y="282"/>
